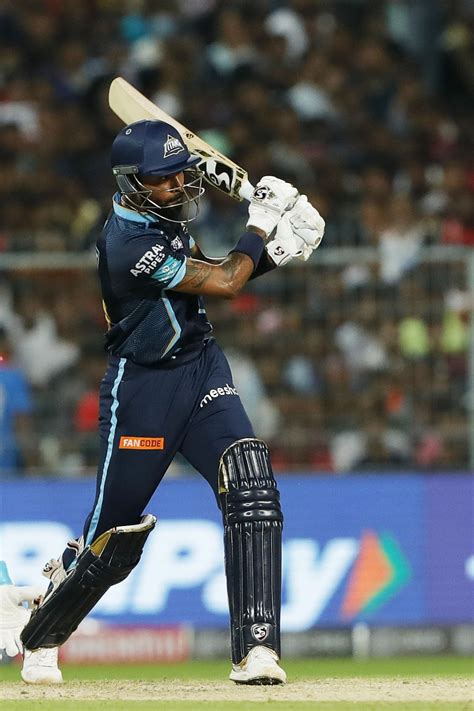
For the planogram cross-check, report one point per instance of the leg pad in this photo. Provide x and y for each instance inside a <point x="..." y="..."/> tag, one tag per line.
<point x="253" y="521"/>
<point x="107" y="561"/>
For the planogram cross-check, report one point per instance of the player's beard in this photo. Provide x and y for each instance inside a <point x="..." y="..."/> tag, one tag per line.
<point x="187" y="204"/>
<point x="174" y="212"/>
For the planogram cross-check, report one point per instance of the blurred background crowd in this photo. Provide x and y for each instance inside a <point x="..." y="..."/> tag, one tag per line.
<point x="359" y="360"/>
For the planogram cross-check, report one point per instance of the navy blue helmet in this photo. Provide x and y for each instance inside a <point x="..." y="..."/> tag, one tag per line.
<point x="153" y="148"/>
<point x="156" y="148"/>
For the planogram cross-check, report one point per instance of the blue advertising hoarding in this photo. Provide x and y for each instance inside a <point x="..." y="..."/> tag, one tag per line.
<point x="380" y="548"/>
<point x="450" y="547"/>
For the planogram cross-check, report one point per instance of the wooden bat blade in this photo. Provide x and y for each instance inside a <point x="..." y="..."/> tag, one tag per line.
<point x="130" y="106"/>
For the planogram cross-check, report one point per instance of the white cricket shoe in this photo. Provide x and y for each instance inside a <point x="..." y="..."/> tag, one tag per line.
<point x="41" y="666"/>
<point x="260" y="666"/>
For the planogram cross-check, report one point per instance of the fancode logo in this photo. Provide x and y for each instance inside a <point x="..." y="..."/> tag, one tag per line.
<point x="172" y="146"/>
<point x="379" y="571"/>
<point x="142" y="442"/>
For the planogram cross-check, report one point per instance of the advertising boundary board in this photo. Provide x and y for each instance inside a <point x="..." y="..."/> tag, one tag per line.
<point x="381" y="549"/>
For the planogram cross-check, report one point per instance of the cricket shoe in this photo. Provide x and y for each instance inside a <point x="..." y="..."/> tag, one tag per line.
<point x="41" y="666"/>
<point x="260" y="666"/>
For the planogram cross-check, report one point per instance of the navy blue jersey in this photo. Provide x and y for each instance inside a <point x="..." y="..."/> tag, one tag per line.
<point x="139" y="261"/>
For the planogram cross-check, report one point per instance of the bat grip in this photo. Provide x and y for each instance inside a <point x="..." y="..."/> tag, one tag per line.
<point x="246" y="190"/>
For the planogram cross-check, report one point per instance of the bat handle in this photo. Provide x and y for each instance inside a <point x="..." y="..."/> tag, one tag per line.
<point x="246" y="190"/>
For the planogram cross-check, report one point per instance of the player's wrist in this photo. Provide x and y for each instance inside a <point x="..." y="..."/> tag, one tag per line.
<point x="251" y="244"/>
<point x="258" y="231"/>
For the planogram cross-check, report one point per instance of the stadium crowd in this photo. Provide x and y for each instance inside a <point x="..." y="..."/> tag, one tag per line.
<point x="344" y="364"/>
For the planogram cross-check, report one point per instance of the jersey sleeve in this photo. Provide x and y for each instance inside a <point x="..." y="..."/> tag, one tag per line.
<point x="146" y="260"/>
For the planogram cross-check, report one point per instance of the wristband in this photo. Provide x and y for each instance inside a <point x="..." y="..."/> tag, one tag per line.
<point x="264" y="266"/>
<point x="252" y="245"/>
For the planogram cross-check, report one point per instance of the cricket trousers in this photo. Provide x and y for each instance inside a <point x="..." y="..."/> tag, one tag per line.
<point x="147" y="416"/>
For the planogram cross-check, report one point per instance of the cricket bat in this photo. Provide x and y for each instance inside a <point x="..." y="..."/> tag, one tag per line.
<point x="130" y="106"/>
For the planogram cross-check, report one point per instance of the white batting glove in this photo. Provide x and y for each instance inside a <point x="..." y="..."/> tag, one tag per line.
<point x="13" y="616"/>
<point x="306" y="223"/>
<point x="298" y="234"/>
<point x="270" y="199"/>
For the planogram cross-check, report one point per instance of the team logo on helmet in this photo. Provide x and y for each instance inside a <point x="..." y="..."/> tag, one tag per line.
<point x="172" y="146"/>
<point x="260" y="632"/>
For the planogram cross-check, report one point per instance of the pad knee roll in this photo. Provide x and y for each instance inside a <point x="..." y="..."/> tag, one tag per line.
<point x="247" y="487"/>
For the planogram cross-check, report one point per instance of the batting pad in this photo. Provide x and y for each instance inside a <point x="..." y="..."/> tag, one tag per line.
<point x="253" y="523"/>
<point x="107" y="561"/>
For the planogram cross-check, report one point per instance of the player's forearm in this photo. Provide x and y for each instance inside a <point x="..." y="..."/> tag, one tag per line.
<point x="197" y="253"/>
<point x="250" y="246"/>
<point x="237" y="268"/>
<point x="224" y="280"/>
<point x="264" y="265"/>
<point x="227" y="278"/>
<point x="209" y="260"/>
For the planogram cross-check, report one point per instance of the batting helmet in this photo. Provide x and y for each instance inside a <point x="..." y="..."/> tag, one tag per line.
<point x="152" y="148"/>
<point x="147" y="148"/>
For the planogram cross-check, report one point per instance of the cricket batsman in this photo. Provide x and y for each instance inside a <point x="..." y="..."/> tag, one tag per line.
<point x="163" y="362"/>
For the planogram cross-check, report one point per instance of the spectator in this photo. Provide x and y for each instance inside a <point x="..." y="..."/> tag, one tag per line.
<point x="17" y="447"/>
<point x="357" y="104"/>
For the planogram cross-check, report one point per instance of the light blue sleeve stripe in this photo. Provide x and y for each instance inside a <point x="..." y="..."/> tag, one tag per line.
<point x="168" y="269"/>
<point x="164" y="269"/>
<point x="179" y="276"/>
<point x="174" y="323"/>
<point x="191" y="242"/>
<point x="110" y="444"/>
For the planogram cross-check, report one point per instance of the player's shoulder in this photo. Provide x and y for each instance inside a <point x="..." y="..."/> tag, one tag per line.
<point x="120" y="234"/>
<point x="182" y="238"/>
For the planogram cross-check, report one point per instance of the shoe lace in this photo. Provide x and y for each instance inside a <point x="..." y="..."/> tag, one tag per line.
<point x="262" y="651"/>
<point x="47" y="657"/>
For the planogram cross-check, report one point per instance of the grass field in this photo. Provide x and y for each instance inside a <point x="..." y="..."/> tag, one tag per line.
<point x="411" y="684"/>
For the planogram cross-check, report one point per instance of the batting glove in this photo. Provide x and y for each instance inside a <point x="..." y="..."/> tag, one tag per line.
<point x="13" y="616"/>
<point x="298" y="234"/>
<point x="270" y="199"/>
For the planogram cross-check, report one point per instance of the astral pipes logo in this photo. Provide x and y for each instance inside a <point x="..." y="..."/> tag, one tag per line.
<point x="379" y="572"/>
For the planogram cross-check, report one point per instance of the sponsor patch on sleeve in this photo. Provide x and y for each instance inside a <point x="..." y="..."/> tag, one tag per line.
<point x="149" y="261"/>
<point x="168" y="270"/>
